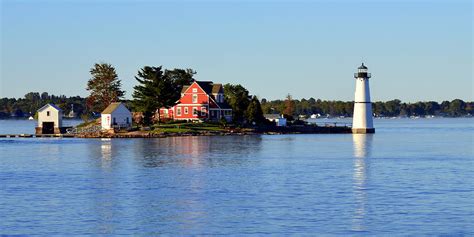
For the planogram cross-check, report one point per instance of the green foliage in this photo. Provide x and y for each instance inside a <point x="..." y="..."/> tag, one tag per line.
<point x="182" y="77"/>
<point x="154" y="91"/>
<point x="27" y="106"/>
<point x="390" y="108"/>
<point x="104" y="87"/>
<point x="239" y="99"/>
<point x="456" y="107"/>
<point x="254" y="113"/>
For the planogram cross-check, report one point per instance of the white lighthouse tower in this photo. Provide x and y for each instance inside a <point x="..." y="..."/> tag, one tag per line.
<point x="362" y="119"/>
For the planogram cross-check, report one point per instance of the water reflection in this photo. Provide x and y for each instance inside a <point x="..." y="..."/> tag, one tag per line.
<point x="362" y="148"/>
<point x="104" y="203"/>
<point x="184" y="175"/>
<point x="197" y="151"/>
<point x="106" y="153"/>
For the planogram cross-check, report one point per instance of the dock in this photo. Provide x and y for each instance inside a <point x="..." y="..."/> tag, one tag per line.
<point x="35" y="136"/>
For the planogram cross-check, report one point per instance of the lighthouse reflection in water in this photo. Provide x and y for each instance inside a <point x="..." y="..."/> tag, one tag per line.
<point x="362" y="148"/>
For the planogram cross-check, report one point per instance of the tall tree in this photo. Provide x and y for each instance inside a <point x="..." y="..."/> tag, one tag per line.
<point x="254" y="111"/>
<point x="181" y="77"/>
<point x="239" y="99"/>
<point x="153" y="92"/>
<point x="289" y="107"/>
<point x="456" y="107"/>
<point x="104" y="87"/>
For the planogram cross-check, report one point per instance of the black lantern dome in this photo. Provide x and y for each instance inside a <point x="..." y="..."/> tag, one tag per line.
<point x="362" y="72"/>
<point x="362" y="66"/>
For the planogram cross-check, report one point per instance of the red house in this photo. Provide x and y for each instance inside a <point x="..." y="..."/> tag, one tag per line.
<point x="201" y="101"/>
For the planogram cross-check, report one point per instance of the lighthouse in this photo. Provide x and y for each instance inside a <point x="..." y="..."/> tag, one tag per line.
<point x="362" y="119"/>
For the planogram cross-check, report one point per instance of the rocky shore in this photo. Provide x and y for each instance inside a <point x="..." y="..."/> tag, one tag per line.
<point x="229" y="132"/>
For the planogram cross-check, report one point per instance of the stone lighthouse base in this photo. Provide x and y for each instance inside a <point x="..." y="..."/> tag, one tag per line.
<point x="363" y="130"/>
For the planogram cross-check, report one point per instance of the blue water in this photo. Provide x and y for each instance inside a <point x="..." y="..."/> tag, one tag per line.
<point x="413" y="177"/>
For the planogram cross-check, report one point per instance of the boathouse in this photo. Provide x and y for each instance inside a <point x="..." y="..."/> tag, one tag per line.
<point x="50" y="120"/>
<point x="116" y="115"/>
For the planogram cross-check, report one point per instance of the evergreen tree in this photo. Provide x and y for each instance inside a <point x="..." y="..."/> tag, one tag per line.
<point x="254" y="111"/>
<point x="181" y="77"/>
<point x="154" y="91"/>
<point x="104" y="87"/>
<point x="238" y="98"/>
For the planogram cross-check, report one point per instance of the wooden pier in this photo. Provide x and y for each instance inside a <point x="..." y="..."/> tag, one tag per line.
<point x="35" y="136"/>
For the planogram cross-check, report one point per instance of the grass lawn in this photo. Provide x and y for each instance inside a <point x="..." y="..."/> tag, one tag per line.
<point x="89" y="123"/>
<point x="186" y="127"/>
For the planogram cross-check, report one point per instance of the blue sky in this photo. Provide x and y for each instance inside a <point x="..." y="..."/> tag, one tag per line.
<point x="415" y="50"/>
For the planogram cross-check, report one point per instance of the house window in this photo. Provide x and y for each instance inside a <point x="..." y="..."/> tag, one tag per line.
<point x="185" y="110"/>
<point x="195" y="90"/>
<point x="47" y="113"/>
<point x="213" y="113"/>
<point x="220" y="98"/>
<point x="195" y="99"/>
<point x="178" y="111"/>
<point x="128" y="121"/>
<point x="203" y="111"/>
<point x="195" y="111"/>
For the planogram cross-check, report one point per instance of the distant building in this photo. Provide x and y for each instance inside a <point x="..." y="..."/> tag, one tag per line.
<point x="72" y="114"/>
<point x="279" y="120"/>
<point x="50" y="120"/>
<point x="116" y="115"/>
<point x="201" y="101"/>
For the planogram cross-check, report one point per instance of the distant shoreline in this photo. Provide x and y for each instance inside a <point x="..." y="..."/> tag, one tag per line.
<point x="319" y="118"/>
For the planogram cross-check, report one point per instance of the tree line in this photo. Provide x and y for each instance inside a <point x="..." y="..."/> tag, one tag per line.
<point x="392" y="108"/>
<point x="157" y="88"/>
<point x="32" y="101"/>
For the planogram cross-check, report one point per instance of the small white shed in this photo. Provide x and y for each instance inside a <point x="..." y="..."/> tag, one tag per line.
<point x="50" y="120"/>
<point x="279" y="120"/>
<point x="116" y="115"/>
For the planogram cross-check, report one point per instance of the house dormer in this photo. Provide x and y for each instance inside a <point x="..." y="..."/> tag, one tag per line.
<point x="218" y="93"/>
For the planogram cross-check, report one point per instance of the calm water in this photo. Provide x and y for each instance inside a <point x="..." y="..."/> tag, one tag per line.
<point x="413" y="177"/>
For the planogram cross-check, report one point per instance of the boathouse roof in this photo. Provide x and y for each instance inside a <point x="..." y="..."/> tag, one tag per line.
<point x="48" y="105"/>
<point x="111" y="108"/>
